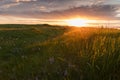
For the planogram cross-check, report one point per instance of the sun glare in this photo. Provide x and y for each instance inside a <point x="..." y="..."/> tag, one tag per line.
<point x="77" y="22"/>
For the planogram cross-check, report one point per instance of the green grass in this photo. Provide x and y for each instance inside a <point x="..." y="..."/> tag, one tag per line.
<point x="43" y="52"/>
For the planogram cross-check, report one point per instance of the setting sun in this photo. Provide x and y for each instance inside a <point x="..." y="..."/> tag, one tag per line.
<point x="77" y="22"/>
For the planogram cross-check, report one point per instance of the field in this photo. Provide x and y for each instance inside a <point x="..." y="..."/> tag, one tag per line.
<point x="44" y="52"/>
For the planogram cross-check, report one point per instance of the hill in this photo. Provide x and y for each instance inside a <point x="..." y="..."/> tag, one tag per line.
<point x="44" y="52"/>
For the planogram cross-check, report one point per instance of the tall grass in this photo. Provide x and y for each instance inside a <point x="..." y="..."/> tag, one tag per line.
<point x="60" y="53"/>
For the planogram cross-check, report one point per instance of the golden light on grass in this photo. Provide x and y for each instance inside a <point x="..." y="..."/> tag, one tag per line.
<point x="77" y="22"/>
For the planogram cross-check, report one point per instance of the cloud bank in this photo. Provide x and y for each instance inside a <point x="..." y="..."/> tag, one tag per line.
<point x="61" y="9"/>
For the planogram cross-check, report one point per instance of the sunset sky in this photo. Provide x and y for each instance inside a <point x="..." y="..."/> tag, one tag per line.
<point x="98" y="12"/>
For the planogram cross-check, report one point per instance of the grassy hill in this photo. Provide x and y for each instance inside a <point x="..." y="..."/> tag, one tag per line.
<point x="43" y="52"/>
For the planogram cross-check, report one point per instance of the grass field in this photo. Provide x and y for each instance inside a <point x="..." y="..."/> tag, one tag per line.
<point x="44" y="52"/>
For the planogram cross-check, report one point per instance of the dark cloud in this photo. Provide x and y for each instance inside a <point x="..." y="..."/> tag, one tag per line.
<point x="94" y="12"/>
<point x="59" y="9"/>
<point x="49" y="4"/>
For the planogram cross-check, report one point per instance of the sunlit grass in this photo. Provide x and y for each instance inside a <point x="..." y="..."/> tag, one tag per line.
<point x="45" y="52"/>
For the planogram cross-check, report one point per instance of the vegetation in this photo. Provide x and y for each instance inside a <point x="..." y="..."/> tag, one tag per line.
<point x="43" y="52"/>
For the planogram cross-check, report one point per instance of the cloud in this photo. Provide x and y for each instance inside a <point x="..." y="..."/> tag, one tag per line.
<point x="59" y="9"/>
<point x="50" y="5"/>
<point x="43" y="5"/>
<point x="93" y="12"/>
<point x="118" y="12"/>
<point x="24" y="0"/>
<point x="9" y="5"/>
<point x="17" y="0"/>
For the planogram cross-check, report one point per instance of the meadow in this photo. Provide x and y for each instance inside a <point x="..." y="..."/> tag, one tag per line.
<point x="44" y="52"/>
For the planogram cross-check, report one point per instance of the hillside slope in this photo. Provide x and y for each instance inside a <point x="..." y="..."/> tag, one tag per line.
<point x="43" y="52"/>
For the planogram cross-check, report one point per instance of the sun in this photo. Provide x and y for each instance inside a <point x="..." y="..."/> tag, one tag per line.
<point x="76" y="22"/>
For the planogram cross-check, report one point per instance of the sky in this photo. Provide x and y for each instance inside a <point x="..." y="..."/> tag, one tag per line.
<point x="56" y="11"/>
